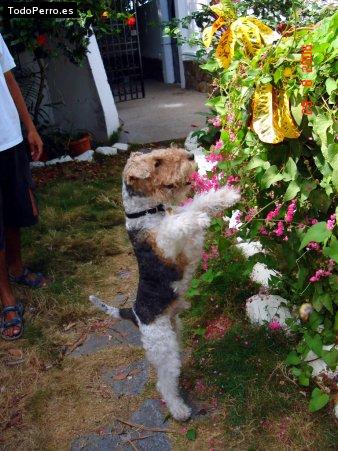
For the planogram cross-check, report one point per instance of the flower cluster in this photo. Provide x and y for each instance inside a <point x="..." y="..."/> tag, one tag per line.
<point x="274" y="325"/>
<point x="203" y="183"/>
<point x="214" y="157"/>
<point x="232" y="179"/>
<point x="331" y="222"/>
<point x="313" y="246"/>
<point x="292" y="208"/>
<point x="211" y="255"/>
<point x="273" y="214"/>
<point x="215" y="121"/>
<point x="322" y="273"/>
<point x="219" y="144"/>
<point x="251" y="214"/>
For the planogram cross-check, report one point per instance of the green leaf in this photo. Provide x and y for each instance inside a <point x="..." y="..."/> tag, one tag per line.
<point x="331" y="357"/>
<point x="256" y="162"/>
<point x="292" y="191"/>
<point x="293" y="358"/>
<point x="314" y="343"/>
<point x="318" y="400"/>
<point x="331" y="251"/>
<point x="270" y="177"/>
<point x="304" y="380"/>
<point x="320" y="125"/>
<point x="318" y="233"/>
<point x="208" y="276"/>
<point x="290" y="172"/>
<point x="330" y="85"/>
<point x="191" y="434"/>
<point x="335" y="327"/>
<point x="297" y="113"/>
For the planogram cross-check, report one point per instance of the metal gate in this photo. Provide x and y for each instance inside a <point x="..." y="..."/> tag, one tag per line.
<point x="122" y="57"/>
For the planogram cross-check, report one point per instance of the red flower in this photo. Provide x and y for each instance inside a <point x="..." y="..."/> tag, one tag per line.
<point x="131" y="21"/>
<point x="41" y="39"/>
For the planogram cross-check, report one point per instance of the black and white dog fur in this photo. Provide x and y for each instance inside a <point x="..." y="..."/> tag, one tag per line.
<point x="168" y="240"/>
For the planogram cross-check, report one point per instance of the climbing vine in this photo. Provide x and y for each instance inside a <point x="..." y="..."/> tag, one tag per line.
<point x="273" y="134"/>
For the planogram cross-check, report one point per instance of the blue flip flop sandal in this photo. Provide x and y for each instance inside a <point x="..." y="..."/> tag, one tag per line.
<point x="15" y="322"/>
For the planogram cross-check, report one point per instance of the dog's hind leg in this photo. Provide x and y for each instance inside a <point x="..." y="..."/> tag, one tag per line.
<point x="161" y="345"/>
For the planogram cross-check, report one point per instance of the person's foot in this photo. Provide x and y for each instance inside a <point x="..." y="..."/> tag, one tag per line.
<point x="28" y="278"/>
<point x="12" y="322"/>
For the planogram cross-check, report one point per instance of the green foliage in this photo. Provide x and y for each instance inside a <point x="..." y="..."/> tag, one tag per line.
<point x="291" y="187"/>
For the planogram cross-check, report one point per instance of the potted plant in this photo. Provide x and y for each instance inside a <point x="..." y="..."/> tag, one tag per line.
<point x="79" y="144"/>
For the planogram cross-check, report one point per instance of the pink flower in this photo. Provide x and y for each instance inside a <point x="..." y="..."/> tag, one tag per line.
<point x="215" y="121"/>
<point x="250" y="215"/>
<point x="230" y="118"/>
<point x="274" y="325"/>
<point x="203" y="183"/>
<point x="263" y="231"/>
<point x="313" y="221"/>
<point x="219" y="144"/>
<point x="322" y="273"/>
<point x="233" y="179"/>
<point x="214" y="157"/>
<point x="292" y="208"/>
<point x="209" y="256"/>
<point x="200" y="386"/>
<point x="280" y="229"/>
<point x="232" y="136"/>
<point x="273" y="214"/>
<point x="331" y="222"/>
<point x="230" y="232"/>
<point x="313" y="246"/>
<point x="238" y="217"/>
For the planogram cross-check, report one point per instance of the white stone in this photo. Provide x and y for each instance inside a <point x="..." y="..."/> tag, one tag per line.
<point x="86" y="156"/>
<point x="319" y="366"/>
<point x="263" y="308"/>
<point x="106" y="150"/>
<point x="37" y="164"/>
<point x="61" y="160"/>
<point x="122" y="147"/>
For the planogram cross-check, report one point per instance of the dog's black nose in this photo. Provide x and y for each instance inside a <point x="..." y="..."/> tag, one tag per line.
<point x="191" y="157"/>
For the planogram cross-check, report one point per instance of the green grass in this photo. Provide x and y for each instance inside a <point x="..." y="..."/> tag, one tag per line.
<point x="245" y="369"/>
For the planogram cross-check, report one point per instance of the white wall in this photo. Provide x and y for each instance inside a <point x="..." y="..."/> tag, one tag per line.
<point x="86" y="99"/>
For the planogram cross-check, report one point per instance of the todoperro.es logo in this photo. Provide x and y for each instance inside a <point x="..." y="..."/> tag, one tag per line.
<point x="41" y="10"/>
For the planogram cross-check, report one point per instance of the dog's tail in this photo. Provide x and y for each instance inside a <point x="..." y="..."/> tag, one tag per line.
<point x="119" y="313"/>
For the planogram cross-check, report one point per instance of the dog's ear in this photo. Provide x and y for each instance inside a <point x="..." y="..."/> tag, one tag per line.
<point x="137" y="168"/>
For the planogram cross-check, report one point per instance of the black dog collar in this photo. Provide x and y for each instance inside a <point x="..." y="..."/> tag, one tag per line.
<point x="151" y="211"/>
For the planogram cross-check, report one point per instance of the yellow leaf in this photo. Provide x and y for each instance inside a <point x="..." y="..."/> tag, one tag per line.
<point x="267" y="34"/>
<point x="209" y="32"/>
<point x="248" y="34"/>
<point x="286" y="122"/>
<point x="265" y="120"/>
<point x="207" y="36"/>
<point x="224" y="9"/>
<point x="225" y="49"/>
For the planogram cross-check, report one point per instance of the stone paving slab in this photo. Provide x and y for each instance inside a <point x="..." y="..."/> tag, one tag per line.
<point x="123" y="333"/>
<point x="149" y="414"/>
<point x="128" y="380"/>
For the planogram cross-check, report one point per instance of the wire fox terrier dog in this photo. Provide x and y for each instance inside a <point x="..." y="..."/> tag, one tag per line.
<point x="168" y="240"/>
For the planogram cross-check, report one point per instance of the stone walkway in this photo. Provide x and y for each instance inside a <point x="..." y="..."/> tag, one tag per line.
<point x="167" y="112"/>
<point x="126" y="380"/>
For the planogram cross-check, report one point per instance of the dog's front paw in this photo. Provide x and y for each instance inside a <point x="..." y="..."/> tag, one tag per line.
<point x="180" y="411"/>
<point x="203" y="220"/>
<point x="230" y="196"/>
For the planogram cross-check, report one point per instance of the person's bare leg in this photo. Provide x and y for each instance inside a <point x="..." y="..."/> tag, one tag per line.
<point x="6" y="295"/>
<point x="13" y="251"/>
